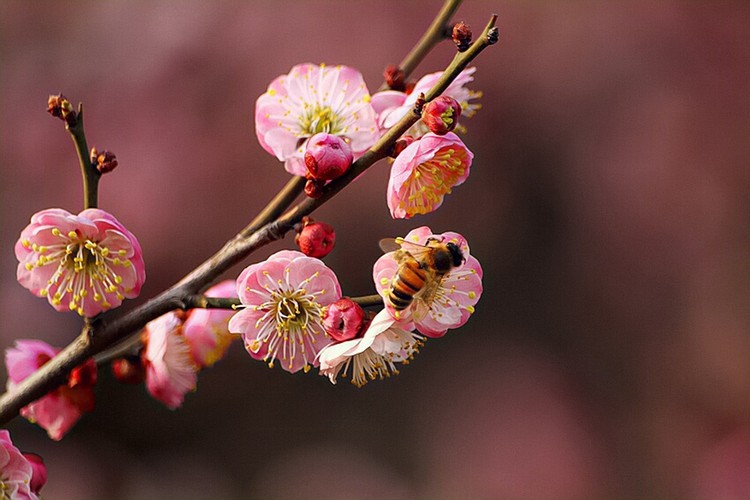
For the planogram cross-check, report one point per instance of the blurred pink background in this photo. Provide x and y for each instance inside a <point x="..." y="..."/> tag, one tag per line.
<point x="609" y="355"/>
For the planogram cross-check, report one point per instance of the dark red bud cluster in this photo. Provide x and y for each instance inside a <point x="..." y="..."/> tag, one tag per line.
<point x="60" y="107"/>
<point x="105" y="162"/>
<point x="315" y="239"/>
<point x="461" y="36"/>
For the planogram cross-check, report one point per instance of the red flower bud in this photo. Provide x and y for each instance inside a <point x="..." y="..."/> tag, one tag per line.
<point x="129" y="370"/>
<point x="394" y="77"/>
<point x="344" y="320"/>
<point x="315" y="239"/>
<point x="38" y="472"/>
<point x="400" y="145"/>
<point x="441" y="114"/>
<point x="327" y="157"/>
<point x="105" y="161"/>
<point x="314" y="188"/>
<point x="461" y="36"/>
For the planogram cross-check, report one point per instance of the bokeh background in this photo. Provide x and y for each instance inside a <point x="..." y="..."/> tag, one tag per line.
<point x="608" y="203"/>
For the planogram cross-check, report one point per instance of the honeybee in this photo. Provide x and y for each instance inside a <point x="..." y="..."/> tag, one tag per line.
<point x="420" y="270"/>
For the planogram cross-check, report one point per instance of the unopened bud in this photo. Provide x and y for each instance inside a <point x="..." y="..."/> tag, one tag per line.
<point x="129" y="370"/>
<point x="60" y="107"/>
<point x="105" y="162"/>
<point x="394" y="77"/>
<point x="461" y="36"/>
<point x="314" y="188"/>
<point x="441" y="114"/>
<point x="327" y="157"/>
<point x="315" y="239"/>
<point x="400" y="145"/>
<point x="344" y="320"/>
<point x="38" y="472"/>
<point x="83" y="375"/>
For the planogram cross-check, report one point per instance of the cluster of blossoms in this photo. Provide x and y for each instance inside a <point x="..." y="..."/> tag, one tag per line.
<point x="318" y="119"/>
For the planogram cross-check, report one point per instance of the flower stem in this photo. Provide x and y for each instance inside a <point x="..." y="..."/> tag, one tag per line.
<point x="277" y="205"/>
<point x="89" y="173"/>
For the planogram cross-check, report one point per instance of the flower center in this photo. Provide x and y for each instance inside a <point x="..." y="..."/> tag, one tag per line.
<point x="292" y="318"/>
<point x="85" y="270"/>
<point x="432" y="180"/>
<point x="317" y="119"/>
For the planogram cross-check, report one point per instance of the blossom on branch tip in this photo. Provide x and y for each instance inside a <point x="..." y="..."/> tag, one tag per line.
<point x="60" y="409"/>
<point x="391" y="105"/>
<point x="424" y="172"/>
<point x="374" y="355"/>
<point x="18" y="479"/>
<point x="309" y="100"/>
<point x="206" y="330"/>
<point x="441" y="114"/>
<point x="446" y="305"/>
<point x="170" y="369"/>
<point x="282" y="316"/>
<point x="86" y="263"/>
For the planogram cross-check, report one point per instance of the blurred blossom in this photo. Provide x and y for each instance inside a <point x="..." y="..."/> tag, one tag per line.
<point x="60" y="409"/>
<point x="38" y="472"/>
<point x="283" y="300"/>
<point x="170" y="369"/>
<point x="391" y="105"/>
<point x="206" y="330"/>
<point x="385" y="343"/>
<point x="86" y="263"/>
<point x="440" y="305"/>
<point x="309" y="100"/>
<point x="15" y="471"/>
<point x="424" y="172"/>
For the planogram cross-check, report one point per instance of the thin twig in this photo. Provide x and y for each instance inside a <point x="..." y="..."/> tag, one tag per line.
<point x="89" y="173"/>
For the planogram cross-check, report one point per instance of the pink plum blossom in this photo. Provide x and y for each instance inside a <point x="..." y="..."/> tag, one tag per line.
<point x="392" y="105"/>
<point x="309" y="100"/>
<point x="60" y="409"/>
<point x="15" y="471"/>
<point x="374" y="355"/>
<point x="447" y="305"/>
<point x="424" y="172"/>
<point x="86" y="263"/>
<point x="441" y="114"/>
<point x="283" y="300"/>
<point x="206" y="330"/>
<point x="170" y="369"/>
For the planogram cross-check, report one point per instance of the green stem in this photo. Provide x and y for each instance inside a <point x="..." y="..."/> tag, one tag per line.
<point x="89" y="173"/>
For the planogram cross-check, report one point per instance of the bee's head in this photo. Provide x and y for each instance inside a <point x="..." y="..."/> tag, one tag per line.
<point x="457" y="256"/>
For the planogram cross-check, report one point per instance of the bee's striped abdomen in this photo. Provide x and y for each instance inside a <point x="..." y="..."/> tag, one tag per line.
<point x="409" y="280"/>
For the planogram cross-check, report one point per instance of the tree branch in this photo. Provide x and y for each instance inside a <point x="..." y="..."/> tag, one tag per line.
<point x="102" y="334"/>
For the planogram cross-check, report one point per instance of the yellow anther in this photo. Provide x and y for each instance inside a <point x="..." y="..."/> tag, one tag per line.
<point x="306" y="368"/>
<point x="126" y="263"/>
<point x="272" y="92"/>
<point x="122" y="252"/>
<point x="472" y="295"/>
<point x="112" y="288"/>
<point x="97" y="296"/>
<point x="26" y="243"/>
<point x="118" y="279"/>
<point x="470" y="309"/>
<point x="43" y="292"/>
<point x="55" y="231"/>
<point x="72" y="234"/>
<point x="106" y="304"/>
<point x="29" y="266"/>
<point x="72" y="305"/>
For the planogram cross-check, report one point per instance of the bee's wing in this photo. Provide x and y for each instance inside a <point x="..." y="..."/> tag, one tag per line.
<point x="394" y="244"/>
